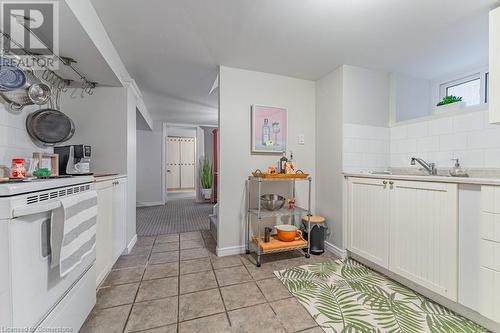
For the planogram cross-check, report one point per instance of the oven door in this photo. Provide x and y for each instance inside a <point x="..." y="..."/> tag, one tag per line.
<point x="36" y="288"/>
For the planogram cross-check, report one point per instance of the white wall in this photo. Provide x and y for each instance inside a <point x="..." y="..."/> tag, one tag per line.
<point x="365" y="96"/>
<point x="412" y="98"/>
<point x="329" y="159"/>
<point x="131" y="145"/>
<point x="366" y="148"/>
<point x="238" y="90"/>
<point x="468" y="137"/>
<point x="149" y="163"/>
<point x="14" y="139"/>
<point x="188" y="132"/>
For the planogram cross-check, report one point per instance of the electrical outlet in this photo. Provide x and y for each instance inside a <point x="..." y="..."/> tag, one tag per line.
<point x="301" y="139"/>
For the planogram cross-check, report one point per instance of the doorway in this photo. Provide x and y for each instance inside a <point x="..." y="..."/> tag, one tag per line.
<point x="181" y="164"/>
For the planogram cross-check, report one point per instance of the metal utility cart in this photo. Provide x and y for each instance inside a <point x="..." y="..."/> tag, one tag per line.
<point x="258" y="214"/>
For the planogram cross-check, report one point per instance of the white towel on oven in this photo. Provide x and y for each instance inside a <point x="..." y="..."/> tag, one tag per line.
<point x="73" y="231"/>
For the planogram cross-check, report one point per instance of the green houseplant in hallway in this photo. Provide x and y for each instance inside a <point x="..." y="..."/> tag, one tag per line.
<point x="206" y="179"/>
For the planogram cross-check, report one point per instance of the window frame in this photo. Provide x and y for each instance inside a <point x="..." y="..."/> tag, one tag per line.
<point x="481" y="75"/>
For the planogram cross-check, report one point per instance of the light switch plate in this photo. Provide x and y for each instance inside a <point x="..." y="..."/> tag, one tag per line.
<point x="301" y="139"/>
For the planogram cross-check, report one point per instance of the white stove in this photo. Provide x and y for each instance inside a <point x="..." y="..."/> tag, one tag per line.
<point x="32" y="294"/>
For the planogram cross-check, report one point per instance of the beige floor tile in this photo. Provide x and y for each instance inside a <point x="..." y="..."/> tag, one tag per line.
<point x="293" y="316"/>
<point x="214" y="324"/>
<point x="131" y="261"/>
<point x="273" y="289"/>
<point x="223" y="262"/>
<point x="193" y="235"/>
<point x="139" y="250"/>
<point x="232" y="275"/>
<point x="110" y="320"/>
<point x="258" y="318"/>
<point x="161" y="271"/>
<point x="200" y="304"/>
<point x="154" y="289"/>
<point x="197" y="282"/>
<point x="145" y="240"/>
<point x="153" y="314"/>
<point x="164" y="329"/>
<point x="167" y="238"/>
<point x="241" y="295"/>
<point x="194" y="254"/>
<point x="196" y="265"/>
<point x="192" y="244"/>
<point x="163" y="257"/>
<point x="116" y="295"/>
<point x="122" y="276"/>
<point x="166" y="247"/>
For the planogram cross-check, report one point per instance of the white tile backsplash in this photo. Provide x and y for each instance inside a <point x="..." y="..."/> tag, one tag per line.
<point x="14" y="139"/>
<point x="366" y="148"/>
<point x="468" y="137"/>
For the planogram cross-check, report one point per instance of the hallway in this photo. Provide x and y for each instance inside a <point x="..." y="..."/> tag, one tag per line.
<point x="176" y="216"/>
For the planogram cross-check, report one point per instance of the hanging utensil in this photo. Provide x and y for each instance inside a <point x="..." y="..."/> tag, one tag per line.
<point x="48" y="127"/>
<point x="39" y="93"/>
<point x="17" y="99"/>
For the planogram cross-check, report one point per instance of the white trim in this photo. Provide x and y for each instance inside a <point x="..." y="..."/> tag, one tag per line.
<point x="230" y="250"/>
<point x="149" y="204"/>
<point x="131" y="245"/>
<point x="342" y="254"/>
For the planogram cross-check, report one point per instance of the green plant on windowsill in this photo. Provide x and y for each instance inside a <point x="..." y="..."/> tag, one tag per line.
<point x="449" y="99"/>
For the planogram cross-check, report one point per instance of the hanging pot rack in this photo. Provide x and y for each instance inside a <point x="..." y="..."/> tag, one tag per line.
<point x="49" y="75"/>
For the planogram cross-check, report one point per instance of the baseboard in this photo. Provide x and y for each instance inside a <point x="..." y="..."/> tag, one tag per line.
<point x="231" y="250"/>
<point x="149" y="204"/>
<point x="131" y="244"/>
<point x="335" y="250"/>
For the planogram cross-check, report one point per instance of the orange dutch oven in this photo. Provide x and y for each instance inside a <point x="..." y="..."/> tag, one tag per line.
<point x="288" y="233"/>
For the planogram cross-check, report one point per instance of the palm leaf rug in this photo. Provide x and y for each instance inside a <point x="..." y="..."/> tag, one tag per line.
<point x="345" y="296"/>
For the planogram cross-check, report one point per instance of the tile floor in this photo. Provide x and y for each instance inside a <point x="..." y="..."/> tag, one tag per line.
<point x="175" y="283"/>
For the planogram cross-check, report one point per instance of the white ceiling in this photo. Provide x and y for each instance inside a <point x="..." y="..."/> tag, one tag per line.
<point x="173" y="47"/>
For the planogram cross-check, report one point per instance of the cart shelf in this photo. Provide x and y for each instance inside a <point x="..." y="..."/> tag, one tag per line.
<point x="280" y="212"/>
<point x="275" y="245"/>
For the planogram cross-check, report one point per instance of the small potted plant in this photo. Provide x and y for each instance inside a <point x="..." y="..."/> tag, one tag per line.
<point x="206" y="179"/>
<point x="451" y="102"/>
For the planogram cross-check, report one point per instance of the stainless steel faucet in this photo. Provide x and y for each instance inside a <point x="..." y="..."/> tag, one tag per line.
<point x="430" y="167"/>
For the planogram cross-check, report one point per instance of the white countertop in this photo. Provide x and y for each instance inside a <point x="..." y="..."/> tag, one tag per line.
<point x="108" y="177"/>
<point x="427" y="178"/>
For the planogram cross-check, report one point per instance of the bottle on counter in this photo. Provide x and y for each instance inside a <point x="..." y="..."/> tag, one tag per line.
<point x="283" y="161"/>
<point x="290" y="165"/>
<point x="18" y="169"/>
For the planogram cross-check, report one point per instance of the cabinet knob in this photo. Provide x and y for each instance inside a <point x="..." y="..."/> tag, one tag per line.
<point x="384" y="182"/>
<point x="391" y="183"/>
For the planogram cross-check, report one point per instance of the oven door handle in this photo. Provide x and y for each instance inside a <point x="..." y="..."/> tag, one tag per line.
<point x="35" y="209"/>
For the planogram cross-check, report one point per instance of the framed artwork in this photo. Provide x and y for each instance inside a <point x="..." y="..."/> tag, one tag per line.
<point x="269" y="129"/>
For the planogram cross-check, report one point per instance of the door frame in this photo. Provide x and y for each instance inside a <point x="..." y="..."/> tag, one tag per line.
<point x="199" y="148"/>
<point x="180" y="161"/>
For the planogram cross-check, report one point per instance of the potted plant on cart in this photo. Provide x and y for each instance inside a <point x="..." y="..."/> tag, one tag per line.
<point x="206" y="179"/>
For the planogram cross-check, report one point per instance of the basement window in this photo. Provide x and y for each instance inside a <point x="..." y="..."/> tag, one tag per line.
<point x="472" y="88"/>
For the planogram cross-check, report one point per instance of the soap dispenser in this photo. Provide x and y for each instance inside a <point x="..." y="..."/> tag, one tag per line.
<point x="456" y="170"/>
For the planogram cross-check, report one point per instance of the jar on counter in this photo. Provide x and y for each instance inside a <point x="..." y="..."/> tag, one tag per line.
<point x="18" y="169"/>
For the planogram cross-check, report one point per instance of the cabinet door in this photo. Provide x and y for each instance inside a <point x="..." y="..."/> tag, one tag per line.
<point x="424" y="234"/>
<point x="369" y="219"/>
<point x="104" y="231"/>
<point x="119" y="218"/>
<point x="187" y="150"/>
<point x="494" y="67"/>
<point x="173" y="163"/>
<point x="187" y="176"/>
<point x="173" y="176"/>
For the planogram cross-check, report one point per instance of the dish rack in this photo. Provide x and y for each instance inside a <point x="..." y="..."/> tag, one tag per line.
<point x="256" y="215"/>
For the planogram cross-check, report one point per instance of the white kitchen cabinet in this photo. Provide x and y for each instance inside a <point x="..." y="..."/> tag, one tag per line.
<point x="494" y="67"/>
<point x="489" y="275"/>
<point x="111" y="224"/>
<point x="369" y="213"/>
<point x="424" y="234"/>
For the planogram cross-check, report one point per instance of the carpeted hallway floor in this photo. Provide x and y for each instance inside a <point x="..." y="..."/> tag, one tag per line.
<point x="176" y="216"/>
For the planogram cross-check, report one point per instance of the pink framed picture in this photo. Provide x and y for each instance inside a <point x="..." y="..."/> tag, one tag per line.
<point x="269" y="129"/>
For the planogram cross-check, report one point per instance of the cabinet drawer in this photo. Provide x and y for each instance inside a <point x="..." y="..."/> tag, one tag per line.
<point x="489" y="298"/>
<point x="490" y="226"/>
<point x="490" y="199"/>
<point x="490" y="255"/>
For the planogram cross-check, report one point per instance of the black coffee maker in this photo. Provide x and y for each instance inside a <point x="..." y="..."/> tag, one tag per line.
<point x="74" y="159"/>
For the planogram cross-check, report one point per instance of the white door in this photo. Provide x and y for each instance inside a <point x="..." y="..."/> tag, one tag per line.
<point x="187" y="158"/>
<point x="173" y="163"/>
<point x="104" y="230"/>
<point x="494" y="67"/>
<point x="119" y="217"/>
<point x="424" y="233"/>
<point x="369" y="219"/>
